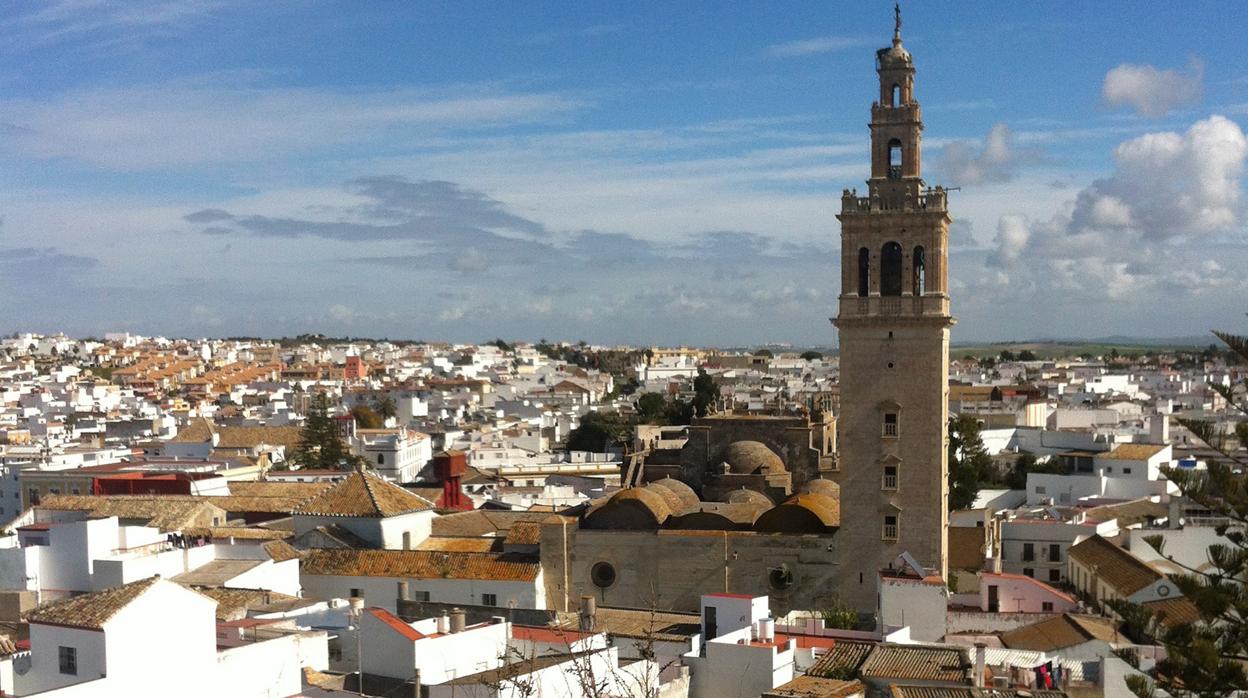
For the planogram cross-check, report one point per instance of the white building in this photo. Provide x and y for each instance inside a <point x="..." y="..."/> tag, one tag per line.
<point x="395" y="454"/>
<point x="366" y="511"/>
<point x="741" y="655"/>
<point x="151" y="638"/>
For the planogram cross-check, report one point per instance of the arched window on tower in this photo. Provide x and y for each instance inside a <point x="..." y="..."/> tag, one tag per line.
<point x="864" y="272"/>
<point x="890" y="269"/>
<point x="920" y="271"/>
<point x="894" y="159"/>
<point x="896" y="95"/>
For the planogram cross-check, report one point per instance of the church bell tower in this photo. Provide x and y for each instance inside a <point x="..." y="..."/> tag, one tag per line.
<point x="894" y="323"/>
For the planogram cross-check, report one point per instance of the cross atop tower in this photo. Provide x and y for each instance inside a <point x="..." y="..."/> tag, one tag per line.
<point x="897" y="16"/>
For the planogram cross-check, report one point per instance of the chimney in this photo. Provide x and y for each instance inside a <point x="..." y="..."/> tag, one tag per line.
<point x="403" y="591"/>
<point x="768" y="630"/>
<point x="268" y="598"/>
<point x="416" y="684"/>
<point x="444" y="623"/>
<point x="457" y="620"/>
<point x="589" y="611"/>
<point x="981" y="652"/>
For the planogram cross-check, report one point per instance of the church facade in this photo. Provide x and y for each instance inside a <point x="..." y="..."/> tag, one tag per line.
<point x="894" y="321"/>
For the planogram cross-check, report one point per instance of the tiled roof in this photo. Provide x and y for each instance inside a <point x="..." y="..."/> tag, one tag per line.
<point x="1173" y="612"/>
<point x="903" y="691"/>
<point x="364" y="495"/>
<point x="485" y="544"/>
<point x="90" y="611"/>
<point x="235" y="603"/>
<point x="483" y="522"/>
<point x="239" y="532"/>
<point x="1115" y="566"/>
<point x="197" y="432"/>
<point x="1066" y="630"/>
<point x="420" y="564"/>
<point x="268" y="488"/>
<point x="280" y="551"/>
<point x="524" y="533"/>
<point x="1136" y="511"/>
<point x="1133" y="451"/>
<point x="916" y="663"/>
<point x="250" y="437"/>
<point x="807" y="686"/>
<point x="165" y="513"/>
<point x="842" y="660"/>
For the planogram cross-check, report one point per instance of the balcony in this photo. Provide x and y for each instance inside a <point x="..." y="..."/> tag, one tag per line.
<point x="927" y="200"/>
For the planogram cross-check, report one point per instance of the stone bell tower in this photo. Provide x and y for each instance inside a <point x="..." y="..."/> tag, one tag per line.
<point x="894" y="334"/>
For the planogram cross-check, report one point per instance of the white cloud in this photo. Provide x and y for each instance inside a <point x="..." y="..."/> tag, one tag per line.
<point x="196" y="122"/>
<point x="994" y="161"/>
<point x="820" y="44"/>
<point x="1151" y="91"/>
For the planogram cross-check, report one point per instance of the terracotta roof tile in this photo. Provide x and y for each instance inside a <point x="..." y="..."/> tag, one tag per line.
<point x="1120" y="569"/>
<point x="419" y="564"/>
<point x="1066" y="630"/>
<point x="917" y="663"/>
<point x="364" y="495"/>
<point x="90" y="611"/>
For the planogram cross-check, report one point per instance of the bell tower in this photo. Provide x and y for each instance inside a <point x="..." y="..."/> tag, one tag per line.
<point x="894" y="323"/>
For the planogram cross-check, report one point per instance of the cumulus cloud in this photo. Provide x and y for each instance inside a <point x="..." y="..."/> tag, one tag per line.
<point x="1168" y="198"/>
<point x="994" y="160"/>
<point x="1151" y="91"/>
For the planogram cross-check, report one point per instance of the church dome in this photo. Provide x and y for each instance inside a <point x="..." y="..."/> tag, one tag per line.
<point x="744" y="496"/>
<point x="894" y="55"/>
<point x="749" y="457"/>
<point x="821" y="486"/>
<point x="687" y="498"/>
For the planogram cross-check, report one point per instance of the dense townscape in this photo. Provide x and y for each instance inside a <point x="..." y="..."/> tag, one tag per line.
<point x="896" y="516"/>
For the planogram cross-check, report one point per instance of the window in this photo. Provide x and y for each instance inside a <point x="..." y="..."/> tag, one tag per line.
<point x="890" y="424"/>
<point x="1126" y="471"/>
<point x="1055" y="552"/>
<point x="68" y="660"/>
<point x="780" y="578"/>
<point x="1040" y="489"/>
<point x="1027" y="571"/>
<point x="422" y="596"/>
<point x="890" y="477"/>
<point x="1055" y="575"/>
<point x="381" y="459"/>
<point x="894" y="159"/>
<point x="919" y="264"/>
<point x="890" y="527"/>
<point x="1046" y="606"/>
<point x="602" y="574"/>
<point x="355" y="593"/>
<point x="896" y="96"/>
<point x="864" y="272"/>
<point x="1029" y="552"/>
<point x="890" y="269"/>
<point x="75" y="490"/>
<point x="489" y="599"/>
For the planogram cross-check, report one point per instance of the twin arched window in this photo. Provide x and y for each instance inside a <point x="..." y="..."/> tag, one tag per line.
<point x="892" y="266"/>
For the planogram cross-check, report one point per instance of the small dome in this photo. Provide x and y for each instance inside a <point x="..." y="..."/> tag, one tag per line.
<point x="821" y="486"/>
<point x="744" y="496"/>
<point x="893" y="55"/>
<point x="670" y="498"/>
<point x="749" y="457"/>
<point x="688" y="498"/>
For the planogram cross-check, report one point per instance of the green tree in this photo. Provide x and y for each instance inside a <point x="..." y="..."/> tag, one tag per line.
<point x="1206" y="657"/>
<point x="319" y="445"/>
<point x="812" y="355"/>
<point x="386" y="407"/>
<point x="366" y="417"/>
<point x="597" y="432"/>
<point x="1026" y="355"/>
<point x="651" y="408"/>
<point x="969" y="463"/>
<point x="764" y="352"/>
<point x="1007" y="355"/>
<point x="704" y="394"/>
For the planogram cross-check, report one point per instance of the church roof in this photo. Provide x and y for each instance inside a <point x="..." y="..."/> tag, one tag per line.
<point x="749" y="457"/>
<point x="364" y="495"/>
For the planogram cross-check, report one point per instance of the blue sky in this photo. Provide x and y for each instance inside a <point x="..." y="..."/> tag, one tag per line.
<point x="625" y="172"/>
